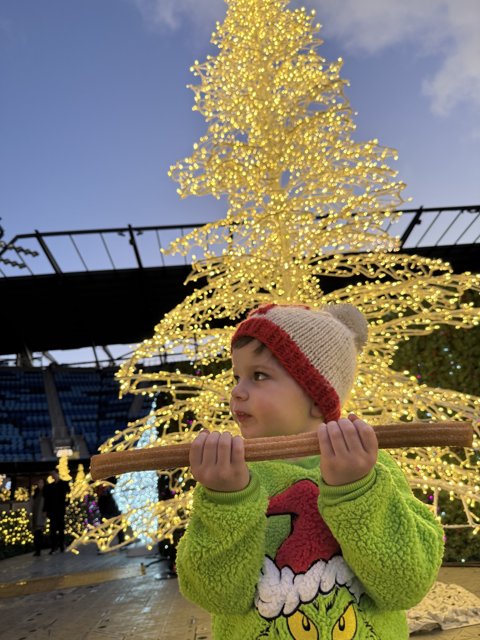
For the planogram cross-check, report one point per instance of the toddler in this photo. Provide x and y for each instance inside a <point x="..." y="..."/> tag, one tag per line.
<point x="331" y="546"/>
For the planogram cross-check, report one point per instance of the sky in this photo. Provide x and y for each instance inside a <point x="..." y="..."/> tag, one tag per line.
<point x="94" y="107"/>
<point x="94" y="104"/>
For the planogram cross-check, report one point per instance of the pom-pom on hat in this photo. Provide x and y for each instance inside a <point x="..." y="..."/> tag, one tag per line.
<point x="318" y="347"/>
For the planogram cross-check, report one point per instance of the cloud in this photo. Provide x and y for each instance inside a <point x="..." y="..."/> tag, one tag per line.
<point x="458" y="79"/>
<point x="172" y="14"/>
<point x="446" y="29"/>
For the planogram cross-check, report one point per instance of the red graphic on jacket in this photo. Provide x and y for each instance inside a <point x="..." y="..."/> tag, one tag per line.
<point x="309" y="561"/>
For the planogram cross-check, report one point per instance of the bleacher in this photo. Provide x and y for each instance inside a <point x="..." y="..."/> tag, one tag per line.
<point x="90" y="403"/>
<point x="88" y="399"/>
<point x="24" y="416"/>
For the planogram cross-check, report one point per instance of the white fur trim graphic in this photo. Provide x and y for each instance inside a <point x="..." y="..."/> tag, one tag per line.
<point x="280" y="591"/>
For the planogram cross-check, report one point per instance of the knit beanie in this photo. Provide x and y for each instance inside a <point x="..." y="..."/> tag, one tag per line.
<point x="317" y="347"/>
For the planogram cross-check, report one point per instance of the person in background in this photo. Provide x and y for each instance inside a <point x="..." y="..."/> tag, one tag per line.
<point x="38" y="516"/>
<point x="108" y="507"/>
<point x="55" y="506"/>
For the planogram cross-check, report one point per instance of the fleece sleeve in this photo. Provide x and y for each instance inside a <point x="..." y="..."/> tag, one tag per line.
<point x="390" y="539"/>
<point x="220" y="556"/>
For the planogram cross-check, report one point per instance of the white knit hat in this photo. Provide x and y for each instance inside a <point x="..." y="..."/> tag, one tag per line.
<point x="318" y="347"/>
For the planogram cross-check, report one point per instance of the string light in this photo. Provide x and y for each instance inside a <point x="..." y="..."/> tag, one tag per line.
<point x="305" y="202"/>
<point x="15" y="524"/>
<point x="15" y="528"/>
<point x="137" y="494"/>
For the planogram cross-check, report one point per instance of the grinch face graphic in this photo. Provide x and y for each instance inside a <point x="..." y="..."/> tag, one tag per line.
<point x="308" y="592"/>
<point x="333" y="617"/>
<point x="345" y="627"/>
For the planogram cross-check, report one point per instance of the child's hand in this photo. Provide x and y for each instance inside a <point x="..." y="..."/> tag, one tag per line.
<point x="218" y="461"/>
<point x="348" y="450"/>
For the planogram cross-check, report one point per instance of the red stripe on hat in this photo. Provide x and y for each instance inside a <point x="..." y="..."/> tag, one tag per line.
<point x="289" y="354"/>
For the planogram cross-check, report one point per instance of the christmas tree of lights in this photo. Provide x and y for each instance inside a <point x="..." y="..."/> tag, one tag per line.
<point x="137" y="494"/>
<point x="80" y="486"/>
<point x="63" y="470"/>
<point x="305" y="202"/>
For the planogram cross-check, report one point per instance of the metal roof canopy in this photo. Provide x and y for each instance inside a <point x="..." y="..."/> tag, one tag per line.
<point x="69" y="311"/>
<point x="70" y="305"/>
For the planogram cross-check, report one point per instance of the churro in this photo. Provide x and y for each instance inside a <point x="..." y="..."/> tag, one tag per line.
<point x="390" y="436"/>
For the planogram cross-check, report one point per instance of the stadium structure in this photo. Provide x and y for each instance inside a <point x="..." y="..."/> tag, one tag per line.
<point x="103" y="290"/>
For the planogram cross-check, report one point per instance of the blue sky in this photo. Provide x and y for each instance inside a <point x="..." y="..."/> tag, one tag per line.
<point x="94" y="106"/>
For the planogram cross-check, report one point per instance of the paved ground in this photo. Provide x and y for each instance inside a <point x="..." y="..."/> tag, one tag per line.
<point x="94" y="597"/>
<point x="120" y="596"/>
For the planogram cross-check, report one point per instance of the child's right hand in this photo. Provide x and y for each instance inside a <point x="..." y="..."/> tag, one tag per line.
<point x="217" y="461"/>
<point x="348" y="450"/>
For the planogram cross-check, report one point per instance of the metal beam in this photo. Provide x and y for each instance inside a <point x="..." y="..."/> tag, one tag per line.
<point x="49" y="356"/>
<point x="109" y="354"/>
<point x="411" y="226"/>
<point x="133" y="242"/>
<point x="47" y="252"/>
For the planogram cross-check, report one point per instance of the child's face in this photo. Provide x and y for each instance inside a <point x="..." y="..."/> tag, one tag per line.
<point x="266" y="400"/>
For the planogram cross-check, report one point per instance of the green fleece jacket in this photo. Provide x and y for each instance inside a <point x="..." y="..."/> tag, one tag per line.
<point x="291" y="557"/>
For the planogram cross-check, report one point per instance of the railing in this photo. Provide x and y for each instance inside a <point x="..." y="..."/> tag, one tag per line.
<point x="91" y="250"/>
<point x="140" y="247"/>
<point x="437" y="226"/>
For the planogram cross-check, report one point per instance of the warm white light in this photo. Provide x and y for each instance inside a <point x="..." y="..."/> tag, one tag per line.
<point x="305" y="202"/>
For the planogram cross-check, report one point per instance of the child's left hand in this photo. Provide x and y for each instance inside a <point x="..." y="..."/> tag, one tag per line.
<point x="348" y="450"/>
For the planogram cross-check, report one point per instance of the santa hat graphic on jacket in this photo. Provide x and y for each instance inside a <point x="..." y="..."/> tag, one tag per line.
<point x="308" y="563"/>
